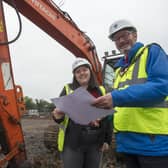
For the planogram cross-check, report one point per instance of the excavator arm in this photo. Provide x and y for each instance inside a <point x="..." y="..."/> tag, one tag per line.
<point x="57" y="24"/>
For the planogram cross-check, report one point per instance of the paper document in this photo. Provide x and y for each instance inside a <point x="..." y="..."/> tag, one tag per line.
<point x="78" y="107"/>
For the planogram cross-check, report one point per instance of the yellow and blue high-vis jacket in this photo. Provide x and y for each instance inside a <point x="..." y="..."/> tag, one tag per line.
<point x="141" y="101"/>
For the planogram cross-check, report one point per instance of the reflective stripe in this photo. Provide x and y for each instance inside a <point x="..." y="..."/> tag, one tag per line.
<point x="130" y="82"/>
<point x="134" y="79"/>
<point x="136" y="69"/>
<point x="161" y="105"/>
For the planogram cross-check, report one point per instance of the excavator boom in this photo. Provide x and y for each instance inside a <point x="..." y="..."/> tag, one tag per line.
<point x="59" y="25"/>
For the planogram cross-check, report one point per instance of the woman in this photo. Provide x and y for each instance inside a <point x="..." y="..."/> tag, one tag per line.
<point x="80" y="145"/>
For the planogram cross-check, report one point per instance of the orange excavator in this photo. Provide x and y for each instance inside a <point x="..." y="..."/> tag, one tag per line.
<point x="57" y="24"/>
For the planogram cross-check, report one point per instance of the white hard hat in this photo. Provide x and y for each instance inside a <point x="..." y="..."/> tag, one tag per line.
<point x="79" y="62"/>
<point x="119" y="25"/>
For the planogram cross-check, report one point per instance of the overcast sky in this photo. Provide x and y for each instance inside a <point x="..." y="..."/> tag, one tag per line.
<point x="42" y="66"/>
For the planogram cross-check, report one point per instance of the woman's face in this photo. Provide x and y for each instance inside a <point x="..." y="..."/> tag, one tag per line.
<point x="82" y="75"/>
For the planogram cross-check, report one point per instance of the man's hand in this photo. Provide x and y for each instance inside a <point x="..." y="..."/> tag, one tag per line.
<point x="57" y="114"/>
<point x="105" y="102"/>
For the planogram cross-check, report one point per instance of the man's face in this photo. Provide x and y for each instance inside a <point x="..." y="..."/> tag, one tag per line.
<point x="124" y="40"/>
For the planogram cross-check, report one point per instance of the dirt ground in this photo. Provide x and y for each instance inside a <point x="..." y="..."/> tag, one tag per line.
<point x="37" y="152"/>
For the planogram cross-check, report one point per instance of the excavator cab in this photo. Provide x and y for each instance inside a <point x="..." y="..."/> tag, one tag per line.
<point x="108" y="69"/>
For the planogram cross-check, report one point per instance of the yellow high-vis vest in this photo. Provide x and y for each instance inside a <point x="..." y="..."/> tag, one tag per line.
<point x="148" y="120"/>
<point x="64" y="123"/>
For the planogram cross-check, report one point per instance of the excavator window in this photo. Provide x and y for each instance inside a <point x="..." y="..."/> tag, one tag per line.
<point x="108" y="69"/>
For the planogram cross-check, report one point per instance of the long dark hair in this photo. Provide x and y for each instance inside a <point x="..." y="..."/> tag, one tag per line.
<point x="92" y="82"/>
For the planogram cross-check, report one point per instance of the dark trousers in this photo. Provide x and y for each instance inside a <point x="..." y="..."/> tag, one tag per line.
<point x="86" y="157"/>
<point x="136" y="161"/>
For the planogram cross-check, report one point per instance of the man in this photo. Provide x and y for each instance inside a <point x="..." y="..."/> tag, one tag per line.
<point x="139" y="98"/>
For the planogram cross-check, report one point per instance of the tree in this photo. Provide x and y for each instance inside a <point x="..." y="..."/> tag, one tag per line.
<point x="41" y="105"/>
<point x="30" y="104"/>
<point x="44" y="106"/>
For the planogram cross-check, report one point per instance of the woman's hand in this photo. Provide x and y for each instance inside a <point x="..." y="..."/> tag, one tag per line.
<point x="57" y="113"/>
<point x="95" y="123"/>
<point x="105" y="147"/>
